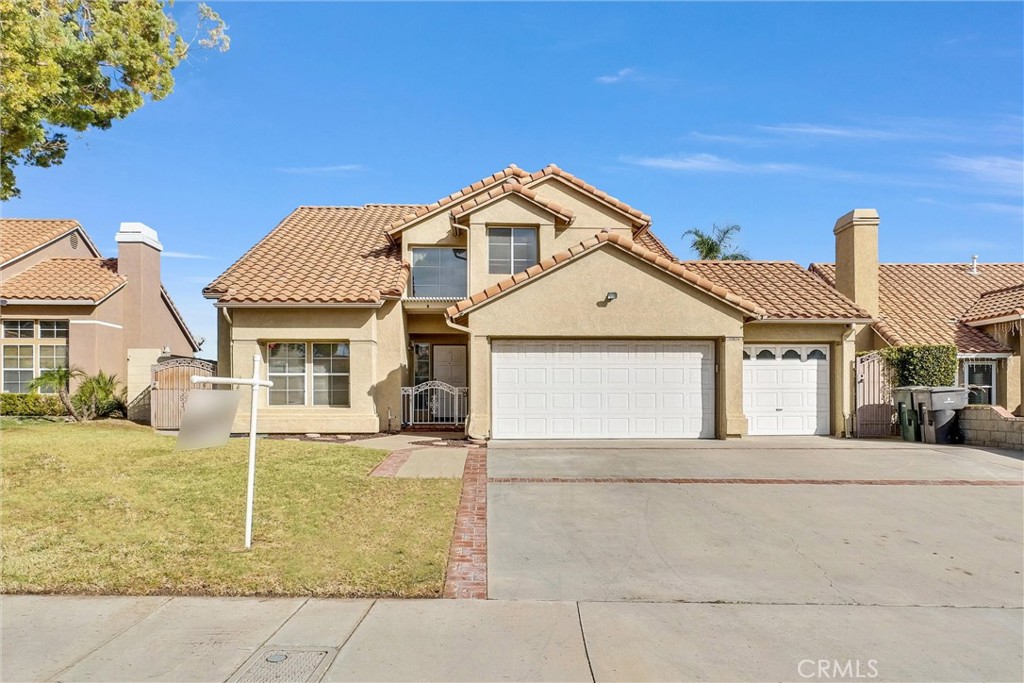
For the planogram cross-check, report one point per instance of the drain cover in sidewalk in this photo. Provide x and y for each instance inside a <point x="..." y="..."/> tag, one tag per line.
<point x="284" y="666"/>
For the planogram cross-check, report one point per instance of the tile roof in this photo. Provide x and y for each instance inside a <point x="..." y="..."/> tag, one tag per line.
<point x="783" y="288"/>
<point x="511" y="187"/>
<point x="414" y="213"/>
<point x="65" y="279"/>
<point x="649" y="241"/>
<point x="20" y="235"/>
<point x="624" y="243"/>
<point x="923" y="303"/>
<point x="999" y="303"/>
<point x="638" y="217"/>
<point x="320" y="255"/>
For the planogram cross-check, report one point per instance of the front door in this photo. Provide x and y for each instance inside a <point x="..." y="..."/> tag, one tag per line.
<point x="450" y="364"/>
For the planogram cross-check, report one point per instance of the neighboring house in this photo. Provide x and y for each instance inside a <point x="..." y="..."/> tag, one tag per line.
<point x="549" y="305"/>
<point x="976" y="306"/>
<point x="62" y="303"/>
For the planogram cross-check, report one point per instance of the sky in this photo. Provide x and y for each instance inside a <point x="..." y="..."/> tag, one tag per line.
<point x="776" y="117"/>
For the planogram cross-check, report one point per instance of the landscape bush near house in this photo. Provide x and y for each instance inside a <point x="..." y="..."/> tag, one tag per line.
<point x="31" y="405"/>
<point x="100" y="395"/>
<point x="923" y="366"/>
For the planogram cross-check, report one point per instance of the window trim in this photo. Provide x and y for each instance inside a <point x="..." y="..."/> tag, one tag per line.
<point x="993" y="388"/>
<point x="511" y="247"/>
<point x="307" y="373"/>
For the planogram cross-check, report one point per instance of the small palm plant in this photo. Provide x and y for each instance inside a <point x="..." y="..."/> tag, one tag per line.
<point x="99" y="395"/>
<point x="58" y="380"/>
<point x="716" y="246"/>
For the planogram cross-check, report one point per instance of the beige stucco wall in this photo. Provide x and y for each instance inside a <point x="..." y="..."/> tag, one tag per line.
<point x="840" y="339"/>
<point x="568" y="302"/>
<point x="60" y="248"/>
<point x="591" y="215"/>
<point x="253" y="327"/>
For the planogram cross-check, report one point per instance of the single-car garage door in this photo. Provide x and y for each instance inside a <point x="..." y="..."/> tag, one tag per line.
<point x="595" y="389"/>
<point x="786" y="389"/>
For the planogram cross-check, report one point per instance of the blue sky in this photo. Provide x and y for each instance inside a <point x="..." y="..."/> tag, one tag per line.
<point x="777" y="117"/>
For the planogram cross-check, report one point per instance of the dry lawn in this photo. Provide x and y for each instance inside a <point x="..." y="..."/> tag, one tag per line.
<point x="109" y="507"/>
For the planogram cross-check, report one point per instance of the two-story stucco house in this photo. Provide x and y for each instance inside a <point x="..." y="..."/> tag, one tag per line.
<point x="62" y="302"/>
<point x="530" y="305"/>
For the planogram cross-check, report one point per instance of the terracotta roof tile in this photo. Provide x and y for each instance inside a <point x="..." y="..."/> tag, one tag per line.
<point x="19" y="235"/>
<point x="999" y="303"/>
<point x="511" y="187"/>
<point x="783" y="288"/>
<point x="414" y="213"/>
<point x="624" y="243"/>
<point x="923" y="303"/>
<point x="319" y="255"/>
<point x="550" y="170"/>
<point x="65" y="279"/>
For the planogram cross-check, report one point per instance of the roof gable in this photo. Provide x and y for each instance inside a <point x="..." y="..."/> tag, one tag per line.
<point x="416" y="213"/>
<point x="602" y="240"/>
<point x="512" y="189"/>
<point x="639" y="219"/>
<point x="20" y="237"/>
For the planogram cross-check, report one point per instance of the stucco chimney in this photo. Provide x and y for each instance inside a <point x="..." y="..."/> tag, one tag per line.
<point x="857" y="257"/>
<point x="138" y="259"/>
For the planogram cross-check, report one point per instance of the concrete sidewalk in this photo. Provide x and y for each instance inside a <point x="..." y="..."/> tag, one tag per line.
<point x="217" y="639"/>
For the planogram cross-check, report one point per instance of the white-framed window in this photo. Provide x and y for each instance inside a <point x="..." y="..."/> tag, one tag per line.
<point x="308" y="373"/>
<point x="438" y="273"/>
<point x="53" y="329"/>
<point x="18" y="367"/>
<point x="19" y="329"/>
<point x="330" y="369"/>
<point x="979" y="377"/>
<point x="511" y="250"/>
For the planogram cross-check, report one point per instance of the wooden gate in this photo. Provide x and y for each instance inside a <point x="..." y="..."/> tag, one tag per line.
<point x="170" y="387"/>
<point x="876" y="414"/>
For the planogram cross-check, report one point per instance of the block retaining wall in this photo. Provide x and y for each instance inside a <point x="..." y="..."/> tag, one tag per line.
<point x="992" y="426"/>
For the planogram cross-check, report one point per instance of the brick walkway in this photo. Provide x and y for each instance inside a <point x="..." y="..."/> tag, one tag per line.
<point x="467" y="560"/>
<point x="390" y="465"/>
<point x="813" y="482"/>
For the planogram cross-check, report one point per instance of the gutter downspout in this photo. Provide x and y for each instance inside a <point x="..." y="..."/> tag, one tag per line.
<point x="848" y="419"/>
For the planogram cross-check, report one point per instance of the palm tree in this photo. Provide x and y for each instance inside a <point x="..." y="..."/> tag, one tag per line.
<point x="716" y="246"/>
<point x="100" y="395"/>
<point x="59" y="380"/>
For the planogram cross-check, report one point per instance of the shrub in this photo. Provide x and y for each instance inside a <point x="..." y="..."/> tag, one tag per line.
<point x="31" y="405"/>
<point x="926" y="366"/>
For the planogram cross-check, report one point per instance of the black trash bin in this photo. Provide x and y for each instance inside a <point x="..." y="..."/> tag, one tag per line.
<point x="941" y="424"/>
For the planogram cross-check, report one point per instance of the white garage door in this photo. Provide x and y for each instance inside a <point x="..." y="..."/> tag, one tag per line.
<point x="594" y="389"/>
<point x="785" y="389"/>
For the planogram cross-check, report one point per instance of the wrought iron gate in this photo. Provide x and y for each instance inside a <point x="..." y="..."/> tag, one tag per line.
<point x="875" y="412"/>
<point x="170" y="387"/>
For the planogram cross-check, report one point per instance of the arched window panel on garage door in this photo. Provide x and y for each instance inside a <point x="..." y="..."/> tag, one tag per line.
<point x="791" y="354"/>
<point x="766" y="353"/>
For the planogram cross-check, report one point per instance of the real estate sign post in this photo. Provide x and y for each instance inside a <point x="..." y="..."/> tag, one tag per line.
<point x="254" y="384"/>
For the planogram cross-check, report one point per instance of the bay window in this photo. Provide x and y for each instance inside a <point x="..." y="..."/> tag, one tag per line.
<point x="511" y="250"/>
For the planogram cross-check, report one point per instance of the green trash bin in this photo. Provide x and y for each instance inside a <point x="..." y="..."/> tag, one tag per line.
<point x="910" y="417"/>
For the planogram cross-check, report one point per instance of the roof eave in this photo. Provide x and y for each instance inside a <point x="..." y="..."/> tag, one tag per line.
<point x="980" y="322"/>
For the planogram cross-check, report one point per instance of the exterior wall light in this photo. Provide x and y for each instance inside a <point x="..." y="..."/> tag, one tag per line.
<point x="611" y="296"/>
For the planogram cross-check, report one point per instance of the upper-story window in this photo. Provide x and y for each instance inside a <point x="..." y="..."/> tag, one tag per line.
<point x="18" y="329"/>
<point x="511" y="250"/>
<point x="438" y="273"/>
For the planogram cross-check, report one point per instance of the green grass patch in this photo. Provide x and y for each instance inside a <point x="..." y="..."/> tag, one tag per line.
<point x="109" y="507"/>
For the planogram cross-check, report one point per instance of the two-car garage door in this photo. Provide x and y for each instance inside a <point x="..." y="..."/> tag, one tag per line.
<point x="571" y="389"/>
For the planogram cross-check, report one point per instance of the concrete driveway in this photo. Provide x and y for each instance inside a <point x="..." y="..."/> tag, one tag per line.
<point x="853" y="523"/>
